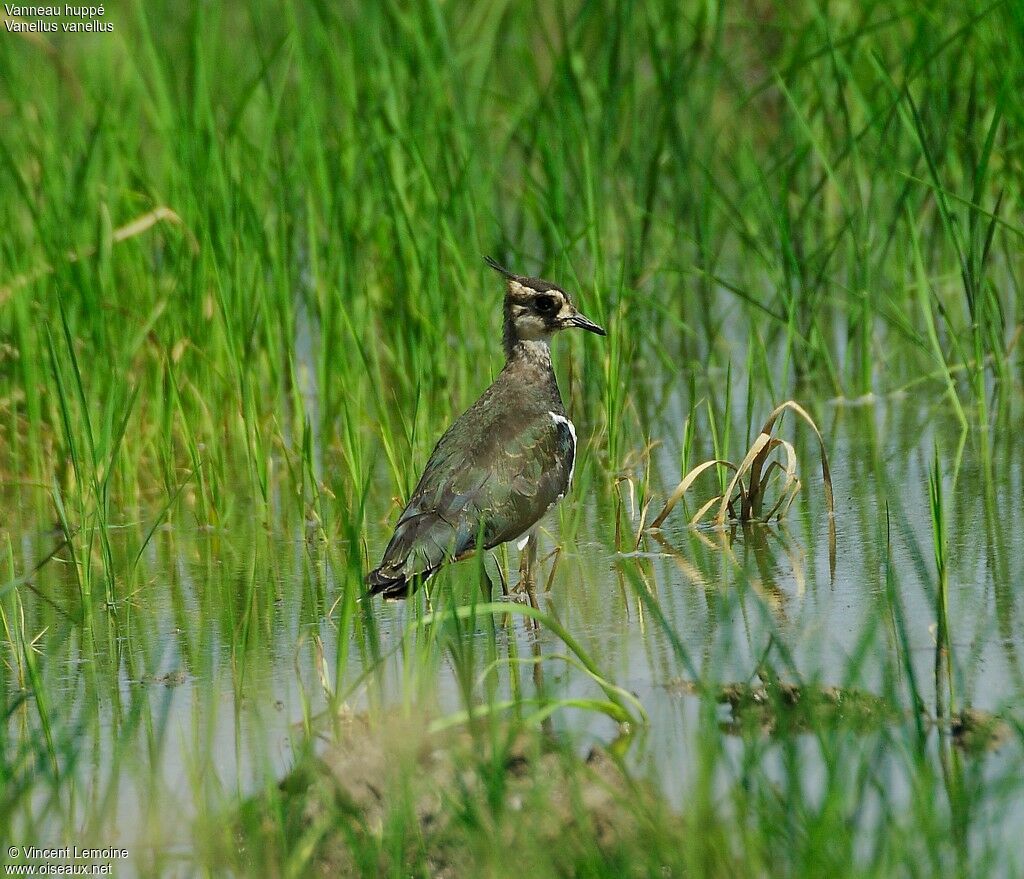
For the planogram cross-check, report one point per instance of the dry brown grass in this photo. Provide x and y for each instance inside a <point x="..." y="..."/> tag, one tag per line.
<point x="754" y="486"/>
<point x="129" y="230"/>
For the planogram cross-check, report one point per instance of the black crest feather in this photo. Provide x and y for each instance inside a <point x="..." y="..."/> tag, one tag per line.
<point x="500" y="269"/>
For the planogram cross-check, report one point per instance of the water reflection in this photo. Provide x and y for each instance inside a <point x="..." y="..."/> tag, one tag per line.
<point x="234" y="640"/>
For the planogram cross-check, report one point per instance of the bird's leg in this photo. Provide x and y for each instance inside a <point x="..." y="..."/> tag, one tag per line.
<point x="486" y="586"/>
<point x="527" y="567"/>
<point x="501" y="576"/>
<point x="556" y="554"/>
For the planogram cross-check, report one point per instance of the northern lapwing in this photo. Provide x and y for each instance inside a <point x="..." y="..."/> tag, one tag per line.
<point x="505" y="462"/>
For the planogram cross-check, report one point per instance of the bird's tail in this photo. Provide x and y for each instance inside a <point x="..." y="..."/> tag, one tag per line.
<point x="393" y="586"/>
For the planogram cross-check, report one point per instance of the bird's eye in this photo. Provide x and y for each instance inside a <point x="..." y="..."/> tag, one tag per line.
<point x="544" y="304"/>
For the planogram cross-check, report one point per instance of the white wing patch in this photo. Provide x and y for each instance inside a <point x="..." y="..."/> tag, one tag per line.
<point x="561" y="419"/>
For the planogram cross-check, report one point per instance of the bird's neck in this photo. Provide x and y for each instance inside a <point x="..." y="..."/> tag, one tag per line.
<point x="528" y="365"/>
<point x="533" y="352"/>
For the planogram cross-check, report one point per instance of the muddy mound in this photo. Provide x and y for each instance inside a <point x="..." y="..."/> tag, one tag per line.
<point x="380" y="796"/>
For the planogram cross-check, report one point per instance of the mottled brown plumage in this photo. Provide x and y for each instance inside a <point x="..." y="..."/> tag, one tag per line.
<point x="504" y="462"/>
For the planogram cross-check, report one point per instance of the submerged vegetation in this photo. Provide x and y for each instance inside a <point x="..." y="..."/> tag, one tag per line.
<point x="242" y="293"/>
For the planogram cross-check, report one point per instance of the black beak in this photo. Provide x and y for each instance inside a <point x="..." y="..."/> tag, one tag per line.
<point x="585" y="323"/>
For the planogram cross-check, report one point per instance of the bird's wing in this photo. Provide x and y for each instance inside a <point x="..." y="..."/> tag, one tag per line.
<point x="497" y="489"/>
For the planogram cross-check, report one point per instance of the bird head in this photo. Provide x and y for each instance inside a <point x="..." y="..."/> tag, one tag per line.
<point x="535" y="310"/>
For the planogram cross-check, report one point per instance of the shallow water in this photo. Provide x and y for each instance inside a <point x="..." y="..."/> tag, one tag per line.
<point x="198" y="688"/>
